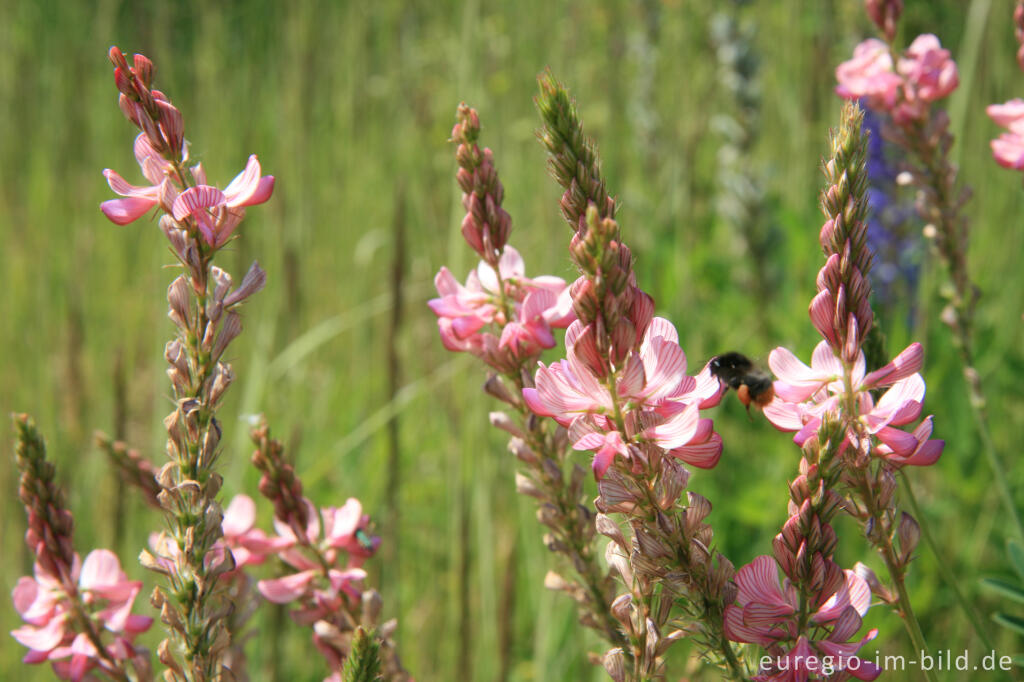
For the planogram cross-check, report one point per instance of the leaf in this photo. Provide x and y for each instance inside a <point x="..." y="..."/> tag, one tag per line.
<point x="1015" y="623"/>
<point x="1005" y="589"/>
<point x="1015" y="550"/>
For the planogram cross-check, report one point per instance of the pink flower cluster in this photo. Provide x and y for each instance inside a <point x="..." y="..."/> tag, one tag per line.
<point x="803" y="395"/>
<point x="319" y="584"/>
<point x="524" y="309"/>
<point x="1008" y="148"/>
<point x="162" y="153"/>
<point x="657" y="402"/>
<point x="53" y="608"/>
<point x="217" y="213"/>
<point x="767" y="613"/>
<point x="923" y="74"/>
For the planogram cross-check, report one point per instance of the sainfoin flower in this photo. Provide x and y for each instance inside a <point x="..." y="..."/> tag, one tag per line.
<point x="535" y="307"/>
<point x="928" y="69"/>
<point x="51" y="632"/>
<point x="318" y="581"/>
<point x="767" y="612"/>
<point x="661" y="403"/>
<point x="924" y="73"/>
<point x="1008" y="148"/>
<point x="869" y="75"/>
<point x="217" y="213"/>
<point x="805" y="394"/>
<point x="138" y="199"/>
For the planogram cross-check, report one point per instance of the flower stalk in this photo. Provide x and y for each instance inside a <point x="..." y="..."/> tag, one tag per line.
<point x="623" y="394"/>
<point x="327" y="550"/>
<point x="199" y="219"/>
<point x="506" y="319"/>
<point x="77" y="614"/>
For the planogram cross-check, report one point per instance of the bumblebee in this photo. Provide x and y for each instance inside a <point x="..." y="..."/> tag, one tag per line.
<point x="751" y="383"/>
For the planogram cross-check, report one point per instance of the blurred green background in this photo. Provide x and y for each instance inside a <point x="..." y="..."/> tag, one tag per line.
<point x="350" y="106"/>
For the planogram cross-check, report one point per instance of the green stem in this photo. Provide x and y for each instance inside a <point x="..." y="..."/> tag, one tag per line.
<point x="944" y="570"/>
<point x="881" y="538"/>
<point x="906" y="611"/>
<point x="976" y="398"/>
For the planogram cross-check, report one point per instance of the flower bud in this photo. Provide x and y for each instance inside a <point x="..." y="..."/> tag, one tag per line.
<point x="909" y="533"/>
<point x="615" y="664"/>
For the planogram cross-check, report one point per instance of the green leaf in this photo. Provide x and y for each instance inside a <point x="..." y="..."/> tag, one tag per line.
<point x="1018" y="660"/>
<point x="1005" y="589"/>
<point x="1015" y="623"/>
<point x="1015" y="550"/>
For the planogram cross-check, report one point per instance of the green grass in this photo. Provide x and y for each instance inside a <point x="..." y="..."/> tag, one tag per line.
<point x="350" y="106"/>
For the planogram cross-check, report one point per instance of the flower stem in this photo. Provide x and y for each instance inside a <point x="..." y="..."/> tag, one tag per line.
<point x="943" y="565"/>
<point x="881" y="538"/>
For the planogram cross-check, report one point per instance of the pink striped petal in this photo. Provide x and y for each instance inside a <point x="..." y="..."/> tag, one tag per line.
<point x="632" y="379"/>
<point x="665" y="367"/>
<point x="511" y="264"/>
<point x="737" y="631"/>
<point x="758" y="581"/>
<point x="704" y="455"/>
<point x="677" y="431"/>
<point x="822" y="311"/>
<point x="908" y="362"/>
<point x="785" y="416"/>
<point x="42" y="638"/>
<point x="126" y="189"/>
<point x="195" y="200"/>
<point x="101" y="569"/>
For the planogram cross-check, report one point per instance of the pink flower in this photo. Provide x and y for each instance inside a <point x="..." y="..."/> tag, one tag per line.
<point x="766" y="613"/>
<point x="804" y="395"/>
<point x="929" y="71"/>
<point x="319" y="584"/>
<point x="50" y="632"/>
<point x="661" y="403"/>
<point x="218" y="213"/>
<point x="138" y="199"/>
<point x="249" y="546"/>
<point x="1008" y="148"/>
<point x="536" y="306"/>
<point x="869" y="75"/>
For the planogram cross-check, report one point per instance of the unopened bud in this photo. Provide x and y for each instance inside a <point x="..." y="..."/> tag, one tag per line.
<point x="178" y="302"/>
<point x="504" y="422"/>
<point x="253" y="282"/>
<point x="909" y="533"/>
<point x="615" y="664"/>
<point x="526" y="486"/>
